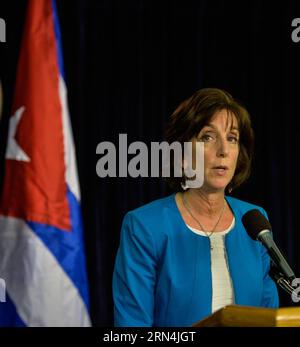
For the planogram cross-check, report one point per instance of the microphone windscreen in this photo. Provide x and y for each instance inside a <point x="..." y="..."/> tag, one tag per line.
<point x="254" y="222"/>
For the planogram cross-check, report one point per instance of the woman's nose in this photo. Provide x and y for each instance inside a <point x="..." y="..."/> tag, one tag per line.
<point x="222" y="150"/>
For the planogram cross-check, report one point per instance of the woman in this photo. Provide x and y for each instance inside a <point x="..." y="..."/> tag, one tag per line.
<point x="187" y="255"/>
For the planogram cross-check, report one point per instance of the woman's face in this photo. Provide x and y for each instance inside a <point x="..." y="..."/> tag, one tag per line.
<point x="221" y="150"/>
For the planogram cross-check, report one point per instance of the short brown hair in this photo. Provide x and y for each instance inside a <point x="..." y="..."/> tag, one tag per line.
<point x="195" y="112"/>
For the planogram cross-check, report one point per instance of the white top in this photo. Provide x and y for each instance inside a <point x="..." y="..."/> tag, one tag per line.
<point x="222" y="289"/>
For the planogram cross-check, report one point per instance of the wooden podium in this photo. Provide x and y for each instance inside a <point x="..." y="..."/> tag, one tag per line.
<point x="246" y="316"/>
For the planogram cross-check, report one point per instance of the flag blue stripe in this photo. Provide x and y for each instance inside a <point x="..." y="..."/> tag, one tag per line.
<point x="9" y="315"/>
<point x="68" y="247"/>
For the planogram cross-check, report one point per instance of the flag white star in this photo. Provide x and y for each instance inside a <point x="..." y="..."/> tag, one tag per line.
<point x="13" y="150"/>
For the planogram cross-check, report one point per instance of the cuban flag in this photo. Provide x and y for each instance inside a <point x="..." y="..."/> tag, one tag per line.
<point x="42" y="260"/>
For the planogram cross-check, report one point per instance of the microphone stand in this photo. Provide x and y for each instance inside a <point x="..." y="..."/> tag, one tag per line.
<point x="281" y="280"/>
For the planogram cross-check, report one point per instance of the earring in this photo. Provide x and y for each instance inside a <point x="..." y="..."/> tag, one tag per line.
<point x="184" y="186"/>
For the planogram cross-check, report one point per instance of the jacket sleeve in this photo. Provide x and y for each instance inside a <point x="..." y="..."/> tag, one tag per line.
<point x="270" y="293"/>
<point x="134" y="275"/>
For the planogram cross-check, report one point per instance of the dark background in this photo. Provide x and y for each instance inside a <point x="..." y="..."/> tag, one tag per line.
<point x="128" y="64"/>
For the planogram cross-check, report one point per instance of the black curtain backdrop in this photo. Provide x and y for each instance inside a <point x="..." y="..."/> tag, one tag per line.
<point x="129" y="63"/>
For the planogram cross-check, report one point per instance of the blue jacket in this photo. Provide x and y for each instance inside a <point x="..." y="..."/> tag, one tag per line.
<point x="162" y="274"/>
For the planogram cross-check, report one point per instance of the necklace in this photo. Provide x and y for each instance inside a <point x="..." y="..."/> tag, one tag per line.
<point x="188" y="208"/>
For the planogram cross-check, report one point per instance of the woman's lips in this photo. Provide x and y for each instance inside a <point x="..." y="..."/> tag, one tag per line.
<point x="220" y="170"/>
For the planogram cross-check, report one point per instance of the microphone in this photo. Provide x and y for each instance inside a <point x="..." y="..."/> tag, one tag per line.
<point x="259" y="228"/>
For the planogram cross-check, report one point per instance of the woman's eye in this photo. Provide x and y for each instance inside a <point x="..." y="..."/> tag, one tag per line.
<point x="233" y="139"/>
<point x="206" y="138"/>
